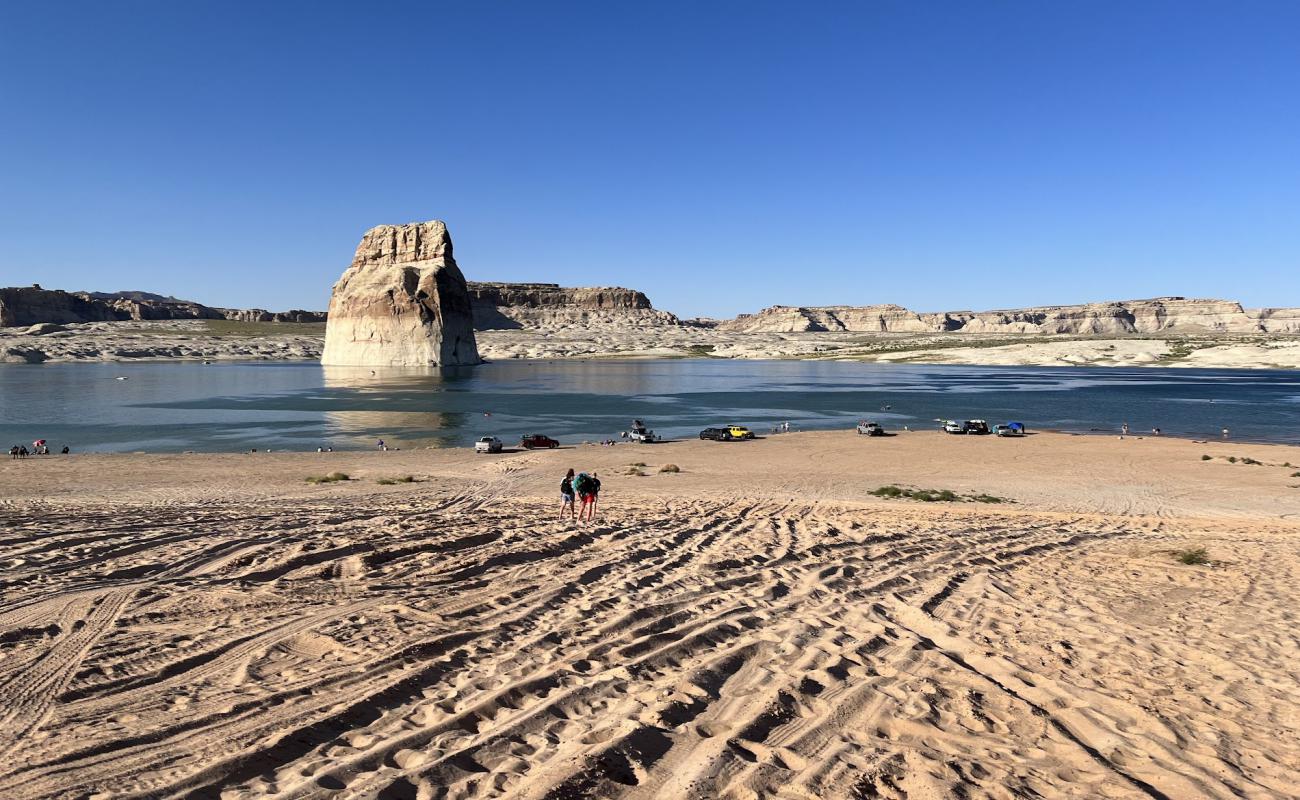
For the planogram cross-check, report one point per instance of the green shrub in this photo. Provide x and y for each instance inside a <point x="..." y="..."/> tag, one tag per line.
<point x="935" y="495"/>
<point x="1193" y="556"/>
<point x="1232" y="459"/>
<point x="333" y="477"/>
<point x="394" y="481"/>
<point x="670" y="468"/>
<point x="1206" y="458"/>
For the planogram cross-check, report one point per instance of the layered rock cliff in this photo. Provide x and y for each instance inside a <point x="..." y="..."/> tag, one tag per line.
<point x="548" y="305"/>
<point x="402" y="302"/>
<point x="1158" y="315"/>
<point x="33" y="305"/>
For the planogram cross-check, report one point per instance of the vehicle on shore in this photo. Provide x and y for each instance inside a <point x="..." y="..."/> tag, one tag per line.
<point x="1009" y="429"/>
<point x="976" y="427"/>
<point x="869" y="428"/>
<point x="740" y="432"/>
<point x="717" y="434"/>
<point x="488" y="444"/>
<point x="953" y="426"/>
<point x="640" y="433"/>
<point x="534" y="440"/>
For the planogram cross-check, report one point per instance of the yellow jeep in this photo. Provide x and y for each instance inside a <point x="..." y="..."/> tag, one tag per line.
<point x="740" y="432"/>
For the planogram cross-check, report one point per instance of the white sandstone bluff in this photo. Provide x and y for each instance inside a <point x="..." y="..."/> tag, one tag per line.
<point x="402" y="303"/>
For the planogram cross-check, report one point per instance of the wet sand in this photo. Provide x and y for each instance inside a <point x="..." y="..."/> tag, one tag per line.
<point x="756" y="625"/>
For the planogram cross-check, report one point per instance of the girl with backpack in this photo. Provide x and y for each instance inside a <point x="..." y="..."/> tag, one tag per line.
<point x="566" y="495"/>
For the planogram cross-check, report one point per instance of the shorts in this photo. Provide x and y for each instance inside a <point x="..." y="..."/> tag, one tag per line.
<point x="588" y="498"/>
<point x="567" y="498"/>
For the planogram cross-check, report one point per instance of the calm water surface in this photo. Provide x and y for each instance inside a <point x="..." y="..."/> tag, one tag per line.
<point x="302" y="405"/>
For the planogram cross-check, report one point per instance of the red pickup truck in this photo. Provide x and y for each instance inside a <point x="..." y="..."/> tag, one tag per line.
<point x="533" y="440"/>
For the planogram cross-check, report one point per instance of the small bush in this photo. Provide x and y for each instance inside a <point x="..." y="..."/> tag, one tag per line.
<point x="1295" y="474"/>
<point x="670" y="468"/>
<point x="1206" y="458"/>
<point x="637" y="464"/>
<point x="634" y="472"/>
<point x="1193" y="556"/>
<point x="1232" y="459"/>
<point x="395" y="481"/>
<point x="936" y="495"/>
<point x="1252" y="461"/>
<point x="333" y="477"/>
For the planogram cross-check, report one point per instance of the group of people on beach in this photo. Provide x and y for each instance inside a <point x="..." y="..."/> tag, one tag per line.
<point x="21" y="451"/>
<point x="583" y="488"/>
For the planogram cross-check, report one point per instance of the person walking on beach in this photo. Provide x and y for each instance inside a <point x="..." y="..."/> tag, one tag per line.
<point x="13" y="451"/>
<point x="595" y="496"/>
<point x="566" y="495"/>
<point x="1225" y="433"/>
<point x="583" y="487"/>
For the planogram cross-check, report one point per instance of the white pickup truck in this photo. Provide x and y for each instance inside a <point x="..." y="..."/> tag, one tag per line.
<point x="488" y="444"/>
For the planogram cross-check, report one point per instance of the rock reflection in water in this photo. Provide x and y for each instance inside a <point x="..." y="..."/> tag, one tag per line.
<point x="393" y="404"/>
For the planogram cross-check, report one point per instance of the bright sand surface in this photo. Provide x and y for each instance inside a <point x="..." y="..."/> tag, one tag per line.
<point x="756" y="625"/>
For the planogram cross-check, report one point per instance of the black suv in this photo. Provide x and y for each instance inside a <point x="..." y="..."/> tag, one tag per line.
<point x="716" y="434"/>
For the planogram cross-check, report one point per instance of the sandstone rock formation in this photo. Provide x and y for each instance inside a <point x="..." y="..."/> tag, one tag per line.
<point x="34" y="305"/>
<point x="296" y="315"/>
<point x="31" y="305"/>
<point x="1158" y="315"/>
<point x="402" y="302"/>
<point x="548" y="305"/>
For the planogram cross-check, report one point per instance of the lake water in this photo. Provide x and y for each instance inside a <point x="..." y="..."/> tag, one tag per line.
<point x="302" y="406"/>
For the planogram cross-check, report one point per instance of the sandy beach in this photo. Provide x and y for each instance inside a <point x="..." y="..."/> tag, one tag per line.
<point x="758" y="624"/>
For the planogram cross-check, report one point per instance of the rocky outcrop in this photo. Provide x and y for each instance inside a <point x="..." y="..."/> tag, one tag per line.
<point x="403" y="302"/>
<point x="142" y="310"/>
<point x="1164" y="314"/>
<point x="296" y="315"/>
<point x="500" y="306"/>
<point x="34" y="305"/>
<point x="31" y="305"/>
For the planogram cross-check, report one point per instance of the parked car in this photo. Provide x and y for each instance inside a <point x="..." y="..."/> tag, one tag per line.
<point x="488" y="444"/>
<point x="953" y="426"/>
<point x="716" y="434"/>
<point x="1009" y="429"/>
<point x="977" y="426"/>
<point x="537" y="440"/>
<point x="868" y="428"/>
<point x="740" y="432"/>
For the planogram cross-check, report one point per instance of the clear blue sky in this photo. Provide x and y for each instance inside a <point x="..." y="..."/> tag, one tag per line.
<point x="719" y="156"/>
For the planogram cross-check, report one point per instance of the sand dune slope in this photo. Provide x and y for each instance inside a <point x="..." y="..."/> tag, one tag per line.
<point x="459" y="643"/>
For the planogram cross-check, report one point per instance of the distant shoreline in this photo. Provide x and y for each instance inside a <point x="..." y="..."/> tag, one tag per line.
<point x="224" y="341"/>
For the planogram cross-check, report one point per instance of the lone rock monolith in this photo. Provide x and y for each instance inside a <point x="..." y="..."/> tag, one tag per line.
<point x="402" y="302"/>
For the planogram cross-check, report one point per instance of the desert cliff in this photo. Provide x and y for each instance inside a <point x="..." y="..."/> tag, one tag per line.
<point x="1114" y="318"/>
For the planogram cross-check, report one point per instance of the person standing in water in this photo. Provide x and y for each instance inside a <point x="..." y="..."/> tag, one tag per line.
<point x="566" y="495"/>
